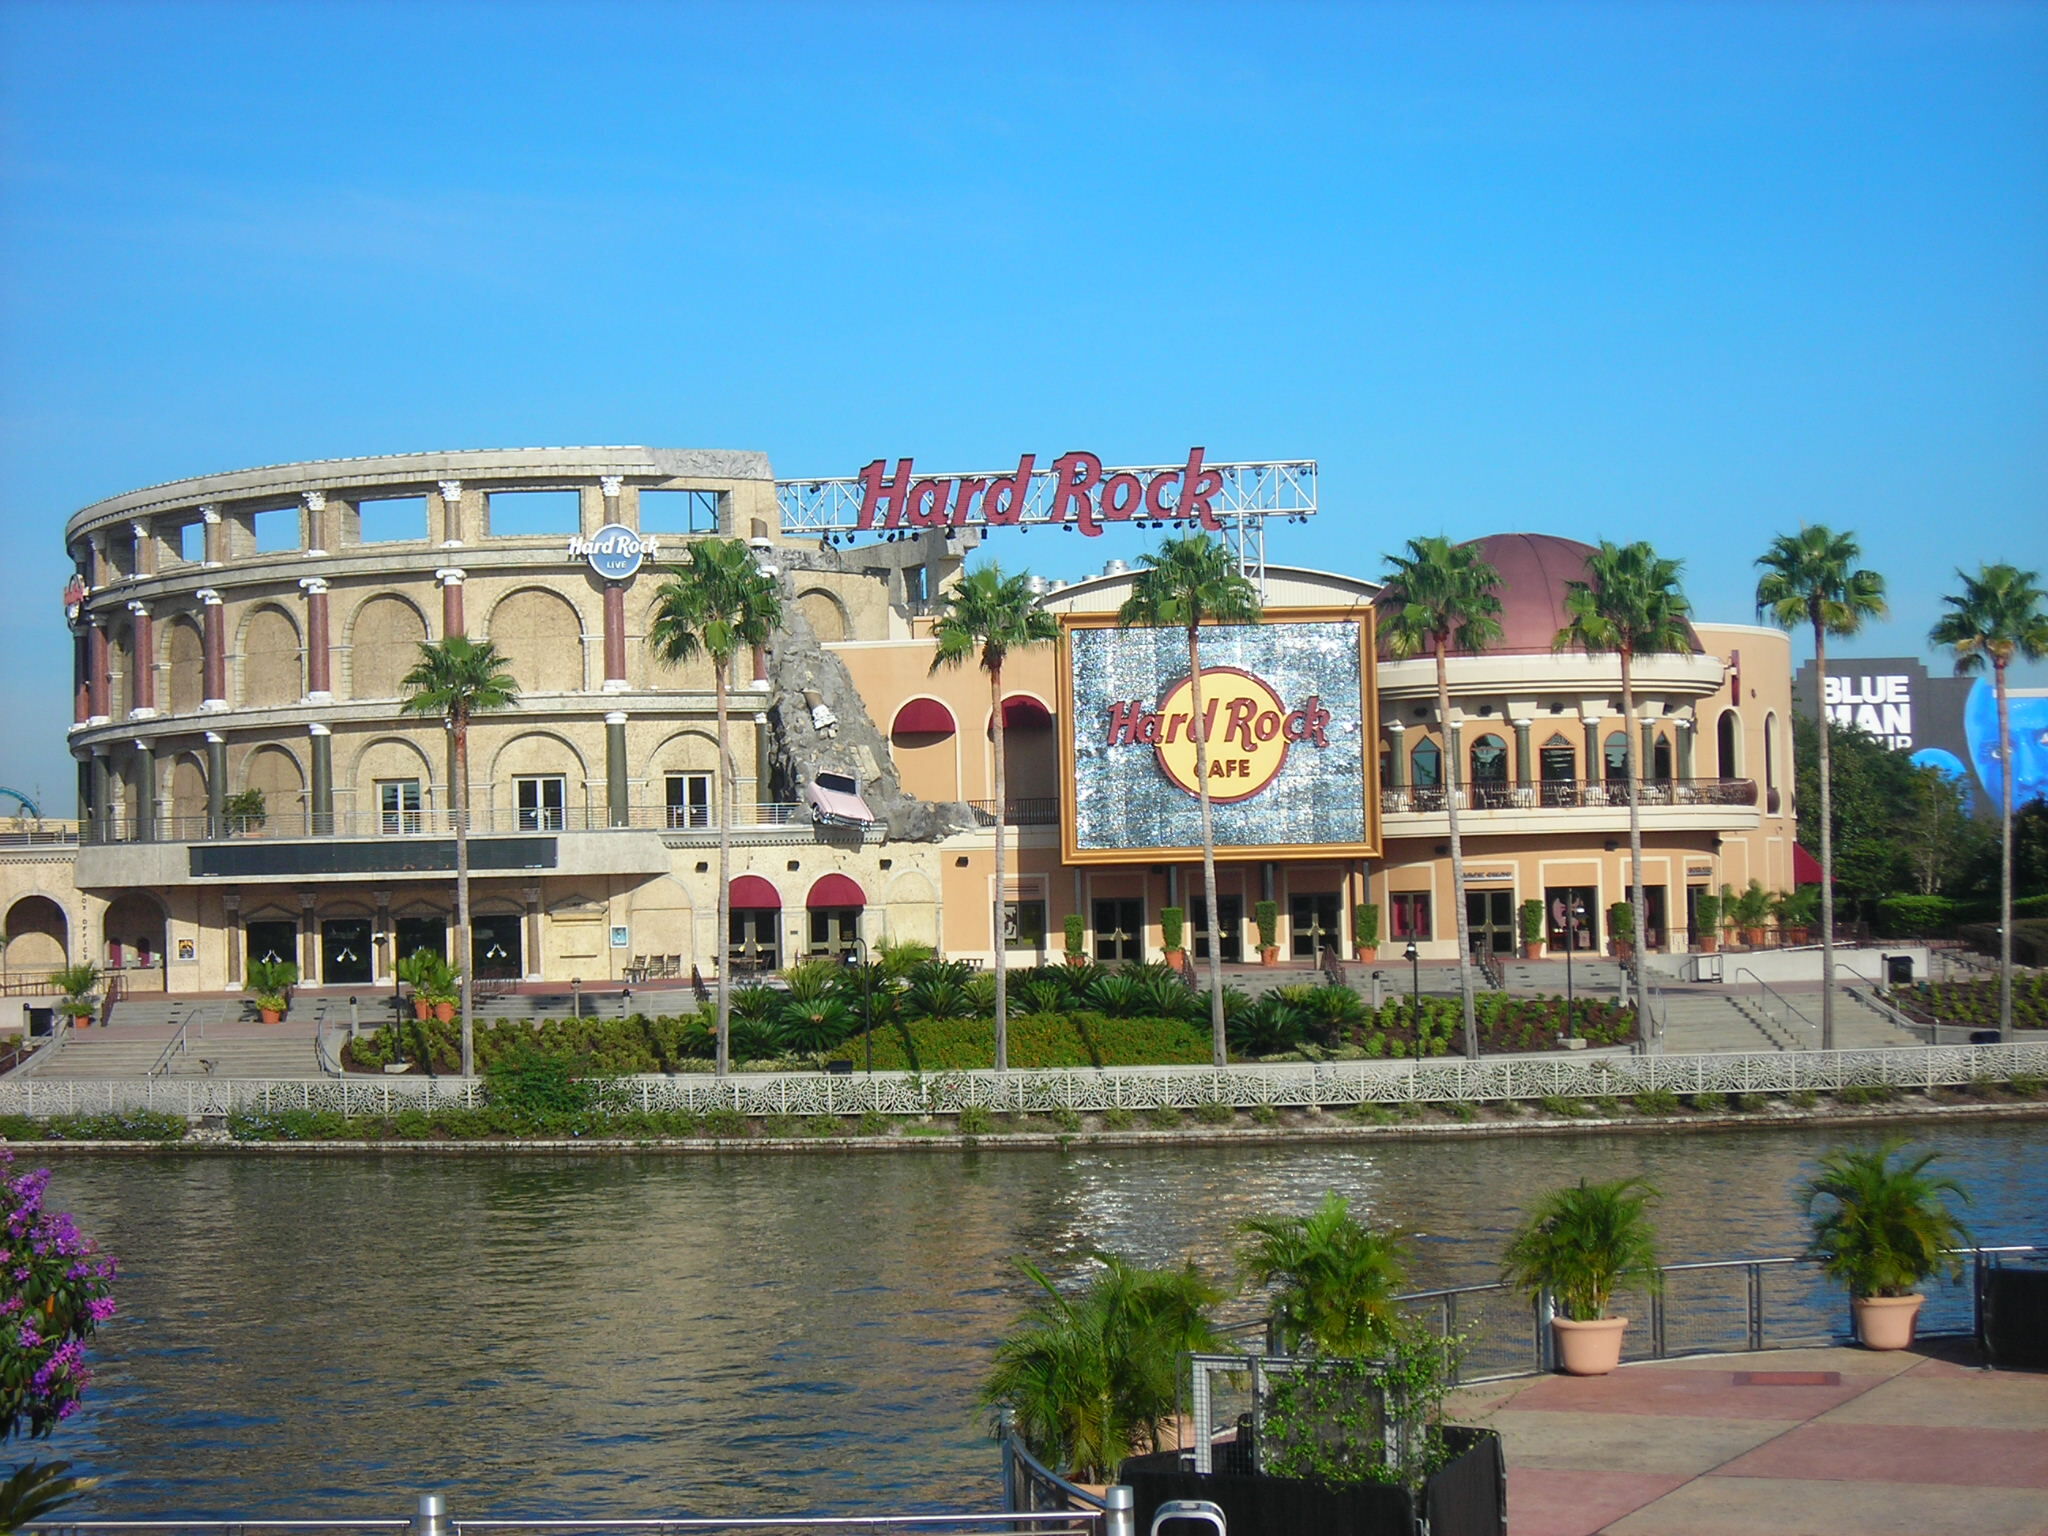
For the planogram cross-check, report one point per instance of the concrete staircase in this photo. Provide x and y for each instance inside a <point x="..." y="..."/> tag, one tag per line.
<point x="1712" y="1021"/>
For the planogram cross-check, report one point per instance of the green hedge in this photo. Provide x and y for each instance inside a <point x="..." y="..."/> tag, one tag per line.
<point x="1917" y="917"/>
<point x="1036" y="1040"/>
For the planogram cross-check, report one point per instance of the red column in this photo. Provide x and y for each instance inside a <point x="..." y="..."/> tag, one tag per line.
<point x="451" y="601"/>
<point x="214" y="638"/>
<point x="142" y="664"/>
<point x="319" y="683"/>
<point x="614" y="636"/>
<point x="81" y="708"/>
<point x="95" y="671"/>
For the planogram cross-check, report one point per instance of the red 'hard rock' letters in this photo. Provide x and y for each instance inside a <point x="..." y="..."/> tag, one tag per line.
<point x="1079" y="492"/>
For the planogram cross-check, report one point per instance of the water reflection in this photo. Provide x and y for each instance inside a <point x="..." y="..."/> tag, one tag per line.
<point x="641" y="1335"/>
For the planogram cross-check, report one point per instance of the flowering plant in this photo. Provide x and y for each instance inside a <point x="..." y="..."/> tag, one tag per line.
<point x="55" y="1289"/>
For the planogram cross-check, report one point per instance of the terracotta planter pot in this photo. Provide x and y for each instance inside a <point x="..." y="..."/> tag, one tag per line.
<point x="1753" y="937"/>
<point x="1077" y="960"/>
<point x="1885" y="1322"/>
<point x="1177" y="958"/>
<point x="445" y="1012"/>
<point x="1533" y="951"/>
<point x="1269" y="954"/>
<point x="1588" y="1349"/>
<point x="1367" y="953"/>
<point x="272" y="1015"/>
<point x="421" y="1008"/>
<point x="1706" y="943"/>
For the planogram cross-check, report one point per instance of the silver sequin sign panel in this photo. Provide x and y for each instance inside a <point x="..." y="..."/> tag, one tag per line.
<point x="1123" y="801"/>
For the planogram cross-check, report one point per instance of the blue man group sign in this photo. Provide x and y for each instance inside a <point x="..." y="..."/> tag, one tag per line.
<point x="1286" y="705"/>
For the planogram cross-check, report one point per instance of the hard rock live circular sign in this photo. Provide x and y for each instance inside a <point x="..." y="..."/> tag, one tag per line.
<point x="1284" y="712"/>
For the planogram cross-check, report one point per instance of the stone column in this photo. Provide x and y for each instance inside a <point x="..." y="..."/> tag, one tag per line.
<point x="96" y="672"/>
<point x="216" y="537"/>
<point x="451" y="579"/>
<point x="530" y="961"/>
<point x="101" y="569"/>
<point x="231" y="920"/>
<point x="1682" y="729"/>
<point x="1454" y="762"/>
<point x="102" y="795"/>
<point x="81" y="702"/>
<point x="145" y="548"/>
<point x="313" y="529"/>
<point x="451" y="515"/>
<point x="145" y="793"/>
<point x="616" y="791"/>
<point x="1397" y="755"/>
<point x="614" y="637"/>
<point x="309" y="943"/>
<point x="611" y="485"/>
<point x="1596" y="769"/>
<point x="1646" y="754"/>
<point x="216" y="784"/>
<point x="142" y="665"/>
<point x="323" y="780"/>
<point x="213" y="633"/>
<point x="319" y="654"/>
<point x="1525" y="767"/>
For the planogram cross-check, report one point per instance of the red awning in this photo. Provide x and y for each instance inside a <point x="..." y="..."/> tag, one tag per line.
<point x="835" y="891"/>
<point x="1018" y="710"/>
<point x="750" y="893"/>
<point x="923" y="717"/>
<point x="1805" y="867"/>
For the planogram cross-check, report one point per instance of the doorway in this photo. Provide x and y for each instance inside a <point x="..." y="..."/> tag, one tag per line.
<point x="1571" y="918"/>
<point x="497" y="943"/>
<point x="1654" y="915"/>
<point x="274" y="939"/>
<point x="834" y="931"/>
<point x="345" y="958"/>
<point x="1119" y="930"/>
<point x="1232" y="910"/>
<point x="1490" y="915"/>
<point x="754" y="939"/>
<point x="1316" y="924"/>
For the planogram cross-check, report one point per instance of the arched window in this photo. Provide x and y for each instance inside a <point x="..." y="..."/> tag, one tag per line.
<point x="1617" y="756"/>
<point x="1771" y="799"/>
<point x="1728" y="742"/>
<point x="1426" y="765"/>
<point x="1489" y="760"/>
<point x="1660" y="760"/>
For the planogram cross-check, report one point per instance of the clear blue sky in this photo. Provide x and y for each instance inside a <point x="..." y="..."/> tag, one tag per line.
<point x="1689" y="273"/>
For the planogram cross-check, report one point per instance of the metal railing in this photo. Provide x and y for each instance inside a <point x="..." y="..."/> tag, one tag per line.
<point x="177" y="1046"/>
<point x="297" y="823"/>
<point x="1024" y="811"/>
<point x="1773" y="1025"/>
<point x="1569" y="794"/>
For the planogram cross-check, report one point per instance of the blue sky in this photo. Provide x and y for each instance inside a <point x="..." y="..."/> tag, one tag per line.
<point x="1690" y="273"/>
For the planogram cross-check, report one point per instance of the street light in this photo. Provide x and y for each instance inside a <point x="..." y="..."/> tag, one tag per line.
<point x="856" y="953"/>
<point x="1574" y="909"/>
<point x="1414" y="958"/>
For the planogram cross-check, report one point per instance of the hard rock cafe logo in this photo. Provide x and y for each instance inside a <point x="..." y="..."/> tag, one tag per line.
<point x="1247" y="727"/>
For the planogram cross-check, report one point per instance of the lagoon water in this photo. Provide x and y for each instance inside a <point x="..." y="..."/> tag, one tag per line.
<point x="747" y="1334"/>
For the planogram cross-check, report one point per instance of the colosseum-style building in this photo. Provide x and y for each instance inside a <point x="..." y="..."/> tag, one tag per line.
<point x="249" y="787"/>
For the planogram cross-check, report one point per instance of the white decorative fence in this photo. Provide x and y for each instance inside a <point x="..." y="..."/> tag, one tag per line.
<point x="1335" y="1085"/>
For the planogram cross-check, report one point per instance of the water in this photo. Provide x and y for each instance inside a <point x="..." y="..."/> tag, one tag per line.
<point x="742" y="1334"/>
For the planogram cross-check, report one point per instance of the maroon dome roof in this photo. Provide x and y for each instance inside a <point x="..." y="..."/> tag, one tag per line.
<point x="1534" y="568"/>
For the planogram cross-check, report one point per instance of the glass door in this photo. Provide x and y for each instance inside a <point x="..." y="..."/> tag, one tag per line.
<point x="1119" y="930"/>
<point x="1316" y="923"/>
<point x="345" y="957"/>
<point x="1491" y="917"/>
<point x="1232" y="909"/>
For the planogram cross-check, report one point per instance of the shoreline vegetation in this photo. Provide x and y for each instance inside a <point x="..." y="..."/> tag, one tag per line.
<point x="495" y="1128"/>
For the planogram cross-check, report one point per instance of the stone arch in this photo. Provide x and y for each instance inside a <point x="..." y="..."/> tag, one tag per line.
<point x="384" y="638"/>
<point x="825" y="613"/>
<point x="188" y="794"/>
<point x="1728" y="744"/>
<point x="910" y="910"/>
<point x="120" y="668"/>
<point x="36" y="936"/>
<point x="134" y="932"/>
<point x="540" y="635"/>
<point x="185" y="665"/>
<point x="662" y="920"/>
<point x="387" y="757"/>
<point x="276" y="771"/>
<point x="1489" y="760"/>
<point x="535" y="753"/>
<point x="646" y="670"/>
<point x="273" y="662"/>
<point x="692" y="749"/>
<point x="1771" y="796"/>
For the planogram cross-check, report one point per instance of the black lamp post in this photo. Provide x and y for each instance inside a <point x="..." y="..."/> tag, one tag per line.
<point x="1414" y="958"/>
<point x="856" y="953"/>
<point x="1573" y="911"/>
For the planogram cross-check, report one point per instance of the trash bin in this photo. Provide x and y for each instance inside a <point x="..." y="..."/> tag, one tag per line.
<point x="2015" y="1314"/>
<point x="42" y="1023"/>
<point x="1898" y="970"/>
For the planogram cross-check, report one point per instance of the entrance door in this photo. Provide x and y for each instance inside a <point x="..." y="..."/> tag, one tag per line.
<point x="833" y="930"/>
<point x="1560" y="769"/>
<point x="1232" y="910"/>
<point x="1693" y="893"/>
<point x="498" y="944"/>
<point x="1572" y="910"/>
<point x="1119" y="930"/>
<point x="755" y="939"/>
<point x="1491" y="917"/>
<point x="345" y="958"/>
<point x="1654" y="917"/>
<point x="417" y="933"/>
<point x="1316" y="924"/>
<point x="274" y="939"/>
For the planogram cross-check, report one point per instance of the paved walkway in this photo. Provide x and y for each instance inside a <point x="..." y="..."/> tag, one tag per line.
<point x="1800" y="1442"/>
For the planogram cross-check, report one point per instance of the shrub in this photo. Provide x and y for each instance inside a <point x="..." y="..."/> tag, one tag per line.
<point x="1065" y="1119"/>
<point x="2026" y="1085"/>
<point x="1166" y="1118"/>
<point x="1709" y="1103"/>
<point x="1369" y="1114"/>
<point x="1802" y="1098"/>
<point x="1556" y="1104"/>
<point x="822" y="1125"/>
<point x="1916" y="917"/>
<point x="1746" y="1103"/>
<point x="116" y="1125"/>
<point x="1117" y="1118"/>
<point x="1861" y="1094"/>
<point x="974" y="1120"/>
<point x="1213" y="1113"/>
<point x="1172" y="927"/>
<point x="1656" y="1101"/>
<point x="1265" y="1114"/>
<point x="1608" y="1105"/>
<point x="874" y="1123"/>
<point x="725" y="1124"/>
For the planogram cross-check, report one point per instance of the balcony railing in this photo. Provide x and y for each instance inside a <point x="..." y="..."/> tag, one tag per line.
<point x="1570" y="794"/>
<point x="483" y="822"/>
<point x="1028" y="811"/>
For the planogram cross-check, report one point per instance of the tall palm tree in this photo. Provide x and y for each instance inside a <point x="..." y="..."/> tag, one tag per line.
<point x="717" y="601"/>
<point x="1437" y="596"/>
<point x="1810" y="577"/>
<point x="1337" y="1277"/>
<point x="1630" y="604"/>
<point x="988" y="615"/>
<point x="1191" y="582"/>
<point x="1997" y="616"/>
<point x="457" y="678"/>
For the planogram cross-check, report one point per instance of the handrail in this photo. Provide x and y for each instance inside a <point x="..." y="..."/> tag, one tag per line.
<point x="1792" y="1041"/>
<point x="329" y="1060"/>
<point x="177" y="1046"/>
<point x="1891" y="1015"/>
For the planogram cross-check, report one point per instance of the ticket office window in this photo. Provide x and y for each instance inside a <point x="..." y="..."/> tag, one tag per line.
<point x="1408" y="916"/>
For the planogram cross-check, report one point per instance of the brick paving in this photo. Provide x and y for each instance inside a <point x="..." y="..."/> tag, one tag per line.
<point x="1805" y="1442"/>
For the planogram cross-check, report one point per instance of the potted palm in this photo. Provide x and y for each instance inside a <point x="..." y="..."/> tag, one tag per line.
<point x="1172" y="932"/>
<point x="428" y="975"/>
<point x="76" y="982"/>
<point x="246" y="812"/>
<point x="270" y="982"/>
<point x="1793" y="913"/>
<point x="1706" y="932"/>
<point x="1365" y="929"/>
<point x="1577" y="1245"/>
<point x="1530" y="917"/>
<point x="1266" y="917"/>
<point x="1751" y="911"/>
<point x="1881" y="1226"/>
<point x="1077" y="953"/>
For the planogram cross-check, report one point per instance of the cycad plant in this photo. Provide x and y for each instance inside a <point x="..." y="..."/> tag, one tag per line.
<point x="1583" y="1241"/>
<point x="1336" y="1278"/>
<point x="1091" y="1377"/>
<point x="1881" y="1224"/>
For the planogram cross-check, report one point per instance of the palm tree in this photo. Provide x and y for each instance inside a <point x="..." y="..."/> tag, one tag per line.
<point x="1629" y="604"/>
<point x="1337" y="1278"/>
<point x="987" y="616"/>
<point x="457" y="678"/>
<point x="1189" y="582"/>
<point x="1438" y="596"/>
<point x="1998" y="616"/>
<point x="1888" y="1227"/>
<point x="1810" y="577"/>
<point x="1091" y="1378"/>
<point x="717" y="601"/>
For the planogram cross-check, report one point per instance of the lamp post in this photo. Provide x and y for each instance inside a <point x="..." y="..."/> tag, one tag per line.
<point x="1414" y="958"/>
<point x="856" y="953"/>
<point x="1573" y="911"/>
